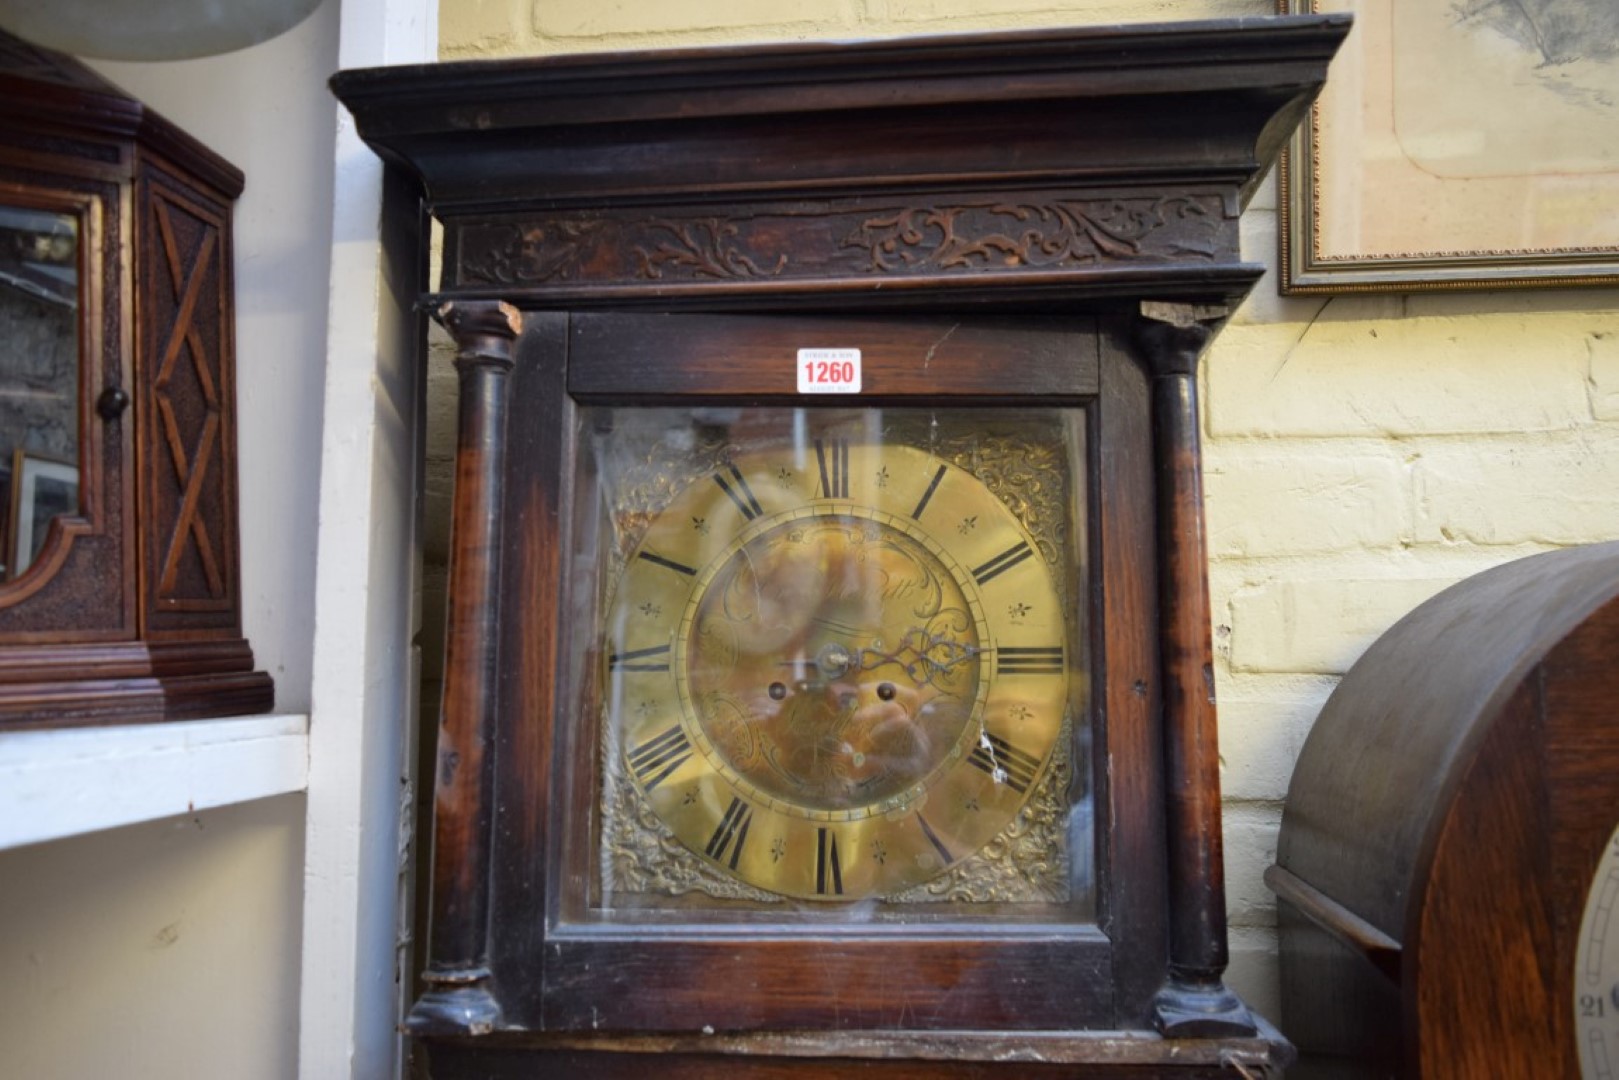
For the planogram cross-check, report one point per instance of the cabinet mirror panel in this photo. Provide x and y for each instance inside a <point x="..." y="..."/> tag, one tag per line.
<point x="39" y="377"/>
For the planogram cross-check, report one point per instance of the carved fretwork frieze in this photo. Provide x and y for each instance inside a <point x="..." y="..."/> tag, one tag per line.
<point x="1056" y="233"/>
<point x="784" y="242"/>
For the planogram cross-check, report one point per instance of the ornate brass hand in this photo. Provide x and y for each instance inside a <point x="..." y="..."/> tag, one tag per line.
<point x="924" y="657"/>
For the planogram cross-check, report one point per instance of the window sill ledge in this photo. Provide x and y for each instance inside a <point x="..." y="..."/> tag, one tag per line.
<point x="56" y="784"/>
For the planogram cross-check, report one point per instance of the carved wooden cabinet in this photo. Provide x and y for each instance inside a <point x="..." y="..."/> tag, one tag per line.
<point x="120" y="597"/>
<point x="1448" y="867"/>
<point x="827" y="680"/>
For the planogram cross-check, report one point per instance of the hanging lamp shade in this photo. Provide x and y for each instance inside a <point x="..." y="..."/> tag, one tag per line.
<point x="151" y="29"/>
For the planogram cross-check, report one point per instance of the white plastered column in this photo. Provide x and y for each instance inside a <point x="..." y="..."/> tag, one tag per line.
<point x="365" y="611"/>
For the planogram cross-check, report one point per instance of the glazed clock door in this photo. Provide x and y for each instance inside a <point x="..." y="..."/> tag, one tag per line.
<point x="835" y="664"/>
<point x="812" y="705"/>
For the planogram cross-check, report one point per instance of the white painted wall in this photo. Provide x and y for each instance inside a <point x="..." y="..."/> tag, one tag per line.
<point x="165" y="951"/>
<point x="359" y="840"/>
<point x="172" y="949"/>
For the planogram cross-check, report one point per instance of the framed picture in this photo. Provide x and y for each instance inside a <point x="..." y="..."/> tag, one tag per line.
<point x="1458" y="144"/>
<point x="41" y="490"/>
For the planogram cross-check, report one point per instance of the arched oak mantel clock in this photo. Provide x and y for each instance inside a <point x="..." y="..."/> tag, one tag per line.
<point x="828" y="683"/>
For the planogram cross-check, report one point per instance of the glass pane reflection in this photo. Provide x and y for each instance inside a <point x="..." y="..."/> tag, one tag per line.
<point x="39" y="378"/>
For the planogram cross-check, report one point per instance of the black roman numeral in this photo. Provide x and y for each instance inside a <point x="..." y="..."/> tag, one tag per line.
<point x="833" y="455"/>
<point x="640" y="660"/>
<point x="655" y="759"/>
<point x="679" y="568"/>
<point x="1004" y="763"/>
<point x="732" y="827"/>
<point x="1003" y="562"/>
<point x="1010" y="660"/>
<point x="933" y="838"/>
<point x="737" y="488"/>
<point x="916" y="514"/>
<point x="828" y="871"/>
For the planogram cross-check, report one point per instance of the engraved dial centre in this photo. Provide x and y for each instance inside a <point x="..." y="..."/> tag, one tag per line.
<point x="865" y="628"/>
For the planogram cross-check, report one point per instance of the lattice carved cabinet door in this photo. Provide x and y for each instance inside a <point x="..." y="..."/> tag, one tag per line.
<point x="827" y="680"/>
<point x="186" y="353"/>
<point x="120" y="597"/>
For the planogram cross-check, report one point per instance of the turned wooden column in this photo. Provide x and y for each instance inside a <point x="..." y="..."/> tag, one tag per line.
<point x="458" y="999"/>
<point x="1194" y="1000"/>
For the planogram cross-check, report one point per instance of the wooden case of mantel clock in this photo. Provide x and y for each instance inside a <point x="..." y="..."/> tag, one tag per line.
<point x="120" y="592"/>
<point x="1448" y="867"/>
<point x="790" y="732"/>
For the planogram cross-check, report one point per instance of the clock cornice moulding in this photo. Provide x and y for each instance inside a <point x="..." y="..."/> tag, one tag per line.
<point x="753" y="150"/>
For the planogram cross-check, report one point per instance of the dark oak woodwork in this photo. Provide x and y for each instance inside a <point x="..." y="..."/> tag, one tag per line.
<point x="1005" y="169"/>
<point x="1004" y="220"/>
<point x="648" y="358"/>
<point x="1172" y="338"/>
<point x="458" y="998"/>
<point x="1443" y="825"/>
<point x="132" y="611"/>
<point x="881" y="1055"/>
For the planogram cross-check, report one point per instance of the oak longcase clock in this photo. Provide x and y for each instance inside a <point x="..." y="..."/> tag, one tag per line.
<point x="827" y="680"/>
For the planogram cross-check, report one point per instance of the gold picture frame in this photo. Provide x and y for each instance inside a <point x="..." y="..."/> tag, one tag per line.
<point x="1458" y="144"/>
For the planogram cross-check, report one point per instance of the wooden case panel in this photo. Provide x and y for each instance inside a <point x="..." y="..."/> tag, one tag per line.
<point x="785" y="976"/>
<point x="185" y="364"/>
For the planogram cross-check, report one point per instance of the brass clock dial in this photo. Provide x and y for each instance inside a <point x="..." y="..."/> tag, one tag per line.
<point x="1596" y="971"/>
<point x="835" y="668"/>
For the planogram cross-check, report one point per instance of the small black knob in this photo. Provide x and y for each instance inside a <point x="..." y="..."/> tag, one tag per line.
<point x="112" y="403"/>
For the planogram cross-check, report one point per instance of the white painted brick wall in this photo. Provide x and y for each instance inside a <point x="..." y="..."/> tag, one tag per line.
<point x="1345" y="500"/>
<point x="1559" y="490"/>
<point x="1603" y="349"/>
<point x="1363" y="452"/>
<point x="1264" y="720"/>
<point x="1355" y="366"/>
<point x="1319" y="625"/>
<point x="595" y="19"/>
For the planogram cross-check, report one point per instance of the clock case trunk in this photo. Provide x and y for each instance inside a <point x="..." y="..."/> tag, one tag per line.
<point x="1044" y="218"/>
